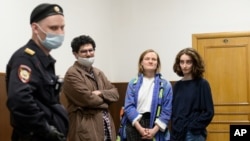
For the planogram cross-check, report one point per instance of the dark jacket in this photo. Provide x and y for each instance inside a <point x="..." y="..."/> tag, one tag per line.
<point x="33" y="93"/>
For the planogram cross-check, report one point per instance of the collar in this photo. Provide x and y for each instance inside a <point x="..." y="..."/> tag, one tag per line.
<point x="46" y="60"/>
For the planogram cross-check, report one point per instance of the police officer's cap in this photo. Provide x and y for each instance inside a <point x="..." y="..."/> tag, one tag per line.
<point x="44" y="10"/>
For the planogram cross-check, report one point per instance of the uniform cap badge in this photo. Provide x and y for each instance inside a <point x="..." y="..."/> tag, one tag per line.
<point x="57" y="9"/>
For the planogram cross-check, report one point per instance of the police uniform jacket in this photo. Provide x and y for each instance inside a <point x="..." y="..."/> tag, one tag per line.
<point x="33" y="93"/>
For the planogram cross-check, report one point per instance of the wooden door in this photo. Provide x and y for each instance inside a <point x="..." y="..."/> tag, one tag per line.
<point x="227" y="62"/>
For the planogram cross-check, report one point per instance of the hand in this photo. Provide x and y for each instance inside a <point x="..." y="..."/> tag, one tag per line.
<point x="55" y="135"/>
<point x="140" y="129"/>
<point x="150" y="133"/>
<point x="98" y="93"/>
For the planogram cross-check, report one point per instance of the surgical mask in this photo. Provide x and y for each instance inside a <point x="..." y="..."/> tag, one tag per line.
<point x="87" y="62"/>
<point x="52" y="41"/>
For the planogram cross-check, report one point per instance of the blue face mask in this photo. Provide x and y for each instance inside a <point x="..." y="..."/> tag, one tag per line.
<point x="52" y="41"/>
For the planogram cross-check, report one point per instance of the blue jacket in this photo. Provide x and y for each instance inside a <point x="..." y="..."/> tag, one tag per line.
<point x="165" y="102"/>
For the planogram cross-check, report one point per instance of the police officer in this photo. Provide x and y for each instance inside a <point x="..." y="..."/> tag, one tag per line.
<point x="32" y="86"/>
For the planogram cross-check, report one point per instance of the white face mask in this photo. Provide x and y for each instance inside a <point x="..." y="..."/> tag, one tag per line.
<point x="87" y="62"/>
<point x="52" y="41"/>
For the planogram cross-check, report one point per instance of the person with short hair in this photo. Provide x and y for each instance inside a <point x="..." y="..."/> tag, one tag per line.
<point x="192" y="99"/>
<point x="89" y="94"/>
<point x="148" y="102"/>
<point x="32" y="86"/>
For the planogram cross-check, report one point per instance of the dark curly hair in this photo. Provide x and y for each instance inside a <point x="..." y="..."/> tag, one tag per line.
<point x="77" y="42"/>
<point x="198" y="65"/>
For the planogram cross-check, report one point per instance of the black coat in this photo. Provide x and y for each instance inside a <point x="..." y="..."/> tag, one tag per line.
<point x="33" y="93"/>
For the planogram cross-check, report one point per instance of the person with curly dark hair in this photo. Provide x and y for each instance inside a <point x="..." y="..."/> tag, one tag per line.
<point x="193" y="108"/>
<point x="89" y="94"/>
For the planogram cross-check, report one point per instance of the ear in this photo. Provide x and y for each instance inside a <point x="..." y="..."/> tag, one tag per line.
<point x="141" y="64"/>
<point x="75" y="54"/>
<point x="34" y="28"/>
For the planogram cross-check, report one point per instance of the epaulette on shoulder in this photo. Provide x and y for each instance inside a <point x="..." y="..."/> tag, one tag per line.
<point x="29" y="51"/>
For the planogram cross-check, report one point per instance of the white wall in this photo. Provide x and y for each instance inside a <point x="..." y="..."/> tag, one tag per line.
<point x="90" y="17"/>
<point x="123" y="29"/>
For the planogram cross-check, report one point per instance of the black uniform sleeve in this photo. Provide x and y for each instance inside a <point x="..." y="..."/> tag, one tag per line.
<point x="25" y="113"/>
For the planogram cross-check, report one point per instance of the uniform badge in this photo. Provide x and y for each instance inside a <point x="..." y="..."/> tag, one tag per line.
<point x="57" y="9"/>
<point x="24" y="73"/>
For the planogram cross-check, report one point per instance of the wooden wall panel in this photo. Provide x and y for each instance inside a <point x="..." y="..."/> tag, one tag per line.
<point x="116" y="107"/>
<point x="5" y="128"/>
